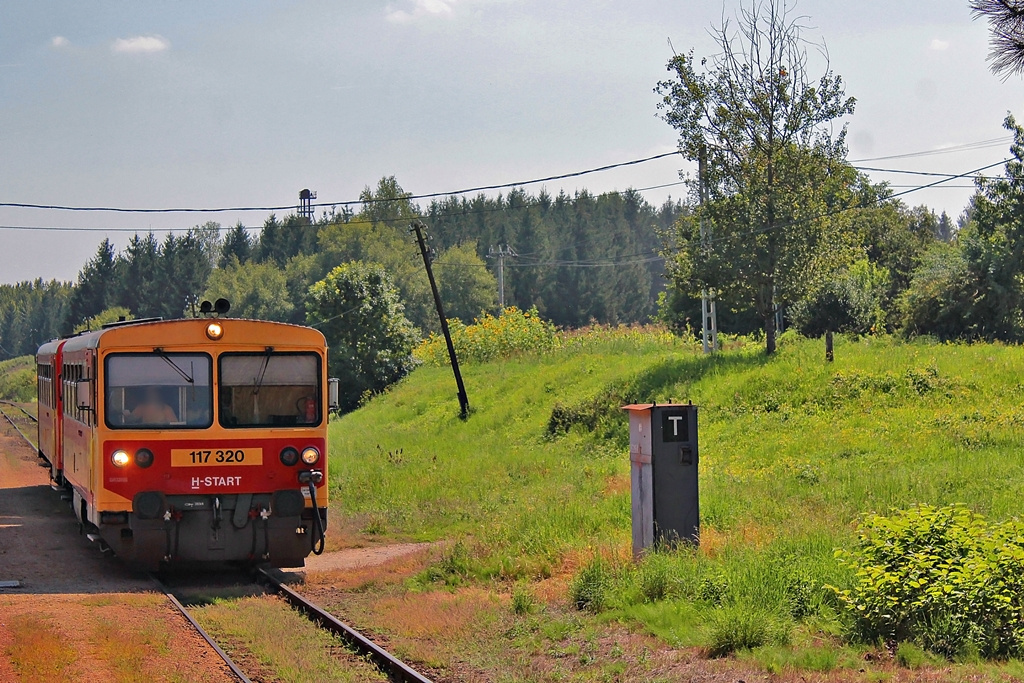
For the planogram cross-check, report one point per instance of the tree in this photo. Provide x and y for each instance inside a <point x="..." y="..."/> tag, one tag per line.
<point x="210" y="241"/>
<point x="95" y="288"/>
<point x="939" y="300"/>
<point x="849" y="302"/>
<point x="138" y="287"/>
<point x="184" y="270"/>
<point x="370" y="340"/>
<point x="30" y="314"/>
<point x="379" y="234"/>
<point x="773" y="164"/>
<point x="1006" y="23"/>
<point x="110" y="315"/>
<point x="389" y="203"/>
<point x="973" y="288"/>
<point x="257" y="291"/>
<point x="467" y="288"/>
<point x="237" y="244"/>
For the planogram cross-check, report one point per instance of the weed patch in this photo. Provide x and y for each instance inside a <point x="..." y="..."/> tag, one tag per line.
<point x="37" y="651"/>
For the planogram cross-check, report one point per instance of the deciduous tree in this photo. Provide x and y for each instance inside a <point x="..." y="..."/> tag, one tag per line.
<point x="773" y="158"/>
<point x="358" y="309"/>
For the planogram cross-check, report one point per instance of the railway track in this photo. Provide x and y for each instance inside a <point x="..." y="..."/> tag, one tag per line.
<point x="26" y="417"/>
<point x="394" y="668"/>
<point x="271" y="582"/>
<point x="238" y="673"/>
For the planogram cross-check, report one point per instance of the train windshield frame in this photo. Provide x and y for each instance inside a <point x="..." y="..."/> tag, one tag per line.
<point x="158" y="390"/>
<point x="270" y="389"/>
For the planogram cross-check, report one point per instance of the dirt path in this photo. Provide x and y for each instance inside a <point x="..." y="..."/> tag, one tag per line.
<point x="76" y="614"/>
<point x="358" y="558"/>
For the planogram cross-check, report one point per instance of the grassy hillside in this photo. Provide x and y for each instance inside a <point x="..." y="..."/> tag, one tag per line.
<point x="18" y="379"/>
<point x="793" y="451"/>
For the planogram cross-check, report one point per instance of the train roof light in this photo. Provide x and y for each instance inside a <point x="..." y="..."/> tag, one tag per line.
<point x="214" y="331"/>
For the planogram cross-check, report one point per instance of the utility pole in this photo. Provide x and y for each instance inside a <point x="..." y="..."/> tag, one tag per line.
<point x="708" y="317"/>
<point x="503" y="252"/>
<point x="417" y="227"/>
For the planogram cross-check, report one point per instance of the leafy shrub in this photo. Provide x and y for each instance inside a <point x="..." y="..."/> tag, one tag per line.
<point x="490" y="338"/>
<point x="743" y="627"/>
<point x="590" y="587"/>
<point x="943" y="578"/>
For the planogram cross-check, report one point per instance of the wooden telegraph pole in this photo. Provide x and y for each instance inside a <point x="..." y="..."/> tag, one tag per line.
<point x="417" y="227"/>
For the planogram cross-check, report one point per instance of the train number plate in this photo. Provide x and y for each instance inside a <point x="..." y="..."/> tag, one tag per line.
<point x="217" y="457"/>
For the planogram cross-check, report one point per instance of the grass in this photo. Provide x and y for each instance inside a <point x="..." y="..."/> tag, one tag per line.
<point x="793" y="451"/>
<point x="130" y="664"/>
<point x="37" y="651"/>
<point x="18" y="379"/>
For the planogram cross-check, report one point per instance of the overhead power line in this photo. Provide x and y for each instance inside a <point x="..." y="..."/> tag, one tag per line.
<point x="920" y="173"/>
<point x="966" y="147"/>
<point x="351" y="202"/>
<point x="836" y="212"/>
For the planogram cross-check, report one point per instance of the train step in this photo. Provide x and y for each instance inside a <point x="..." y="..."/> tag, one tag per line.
<point x="97" y="539"/>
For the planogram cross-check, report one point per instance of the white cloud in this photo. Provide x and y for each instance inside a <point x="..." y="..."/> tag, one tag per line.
<point x="57" y="42"/>
<point x="140" y="44"/>
<point x="419" y="8"/>
<point x="939" y="45"/>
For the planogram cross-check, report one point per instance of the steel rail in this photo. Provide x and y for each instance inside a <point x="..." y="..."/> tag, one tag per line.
<point x="386" y="661"/>
<point x="27" y="414"/>
<point x="17" y="429"/>
<point x="202" y="632"/>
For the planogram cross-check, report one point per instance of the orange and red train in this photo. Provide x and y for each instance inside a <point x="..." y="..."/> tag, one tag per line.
<point x="191" y="441"/>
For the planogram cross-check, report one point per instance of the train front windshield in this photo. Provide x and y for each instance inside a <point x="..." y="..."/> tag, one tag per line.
<point x="269" y="389"/>
<point x="165" y="390"/>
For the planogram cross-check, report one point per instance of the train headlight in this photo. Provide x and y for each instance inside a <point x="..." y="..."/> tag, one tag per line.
<point x="120" y="458"/>
<point x="289" y="456"/>
<point x="214" y="331"/>
<point x="310" y="455"/>
<point x="143" y="457"/>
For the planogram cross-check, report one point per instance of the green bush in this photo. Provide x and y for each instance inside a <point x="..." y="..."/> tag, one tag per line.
<point x="743" y="627"/>
<point x="941" y="577"/>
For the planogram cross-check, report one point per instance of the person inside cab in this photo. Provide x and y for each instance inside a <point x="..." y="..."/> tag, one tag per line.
<point x="152" y="410"/>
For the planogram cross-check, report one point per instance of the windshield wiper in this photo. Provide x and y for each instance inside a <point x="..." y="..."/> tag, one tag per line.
<point x="263" y="370"/>
<point x="167" y="359"/>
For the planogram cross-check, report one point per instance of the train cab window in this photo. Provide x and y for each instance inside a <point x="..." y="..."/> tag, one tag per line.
<point x="158" y="391"/>
<point x="269" y="389"/>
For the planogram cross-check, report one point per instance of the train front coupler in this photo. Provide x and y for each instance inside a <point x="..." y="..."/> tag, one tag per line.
<point x="311" y="479"/>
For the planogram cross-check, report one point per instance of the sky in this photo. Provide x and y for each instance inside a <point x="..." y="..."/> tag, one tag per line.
<point x="244" y="103"/>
